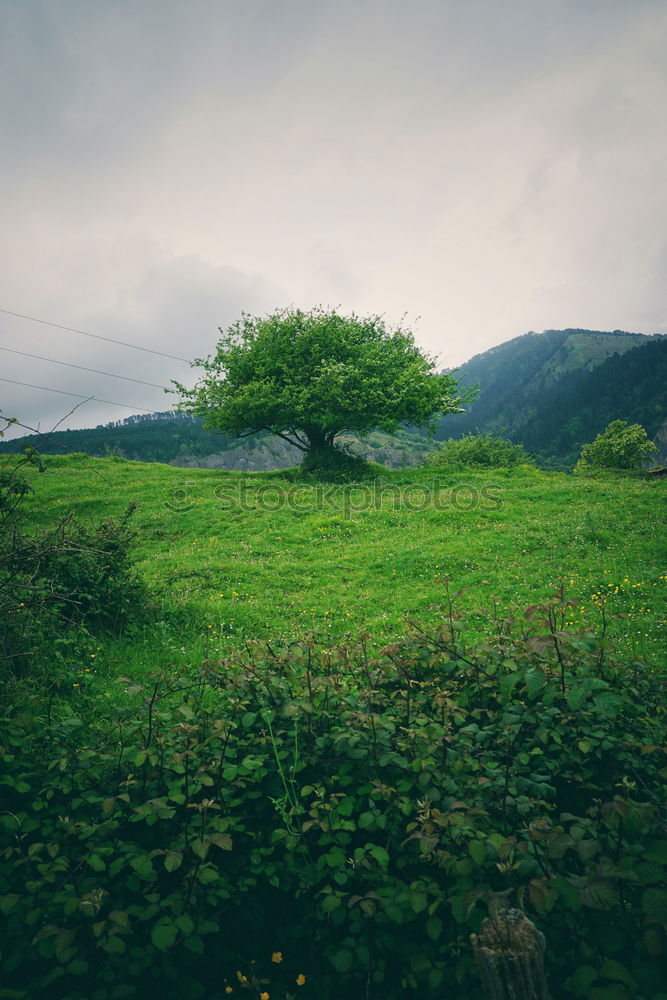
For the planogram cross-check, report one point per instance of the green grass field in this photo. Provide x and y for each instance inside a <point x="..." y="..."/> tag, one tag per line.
<point x="263" y="555"/>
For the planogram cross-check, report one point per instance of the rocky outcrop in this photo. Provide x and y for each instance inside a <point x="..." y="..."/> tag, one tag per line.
<point x="660" y="439"/>
<point x="273" y="453"/>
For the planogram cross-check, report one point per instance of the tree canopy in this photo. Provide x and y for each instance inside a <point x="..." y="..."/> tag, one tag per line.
<point x="310" y="376"/>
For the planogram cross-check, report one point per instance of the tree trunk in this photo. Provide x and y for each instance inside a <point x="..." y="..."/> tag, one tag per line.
<point x="320" y="446"/>
<point x="510" y="958"/>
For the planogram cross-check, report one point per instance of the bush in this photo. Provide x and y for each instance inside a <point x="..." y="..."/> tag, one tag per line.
<point x="480" y="450"/>
<point x="355" y="815"/>
<point x="335" y="465"/>
<point x="620" y="446"/>
<point x="62" y="582"/>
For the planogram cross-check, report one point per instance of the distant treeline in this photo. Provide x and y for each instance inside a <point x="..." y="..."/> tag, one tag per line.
<point x="150" y="437"/>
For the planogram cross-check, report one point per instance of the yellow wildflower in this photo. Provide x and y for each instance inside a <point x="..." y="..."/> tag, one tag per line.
<point x="300" y="979"/>
<point x="263" y="996"/>
<point x="277" y="956"/>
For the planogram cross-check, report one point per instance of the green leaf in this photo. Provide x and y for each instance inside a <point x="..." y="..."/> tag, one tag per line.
<point x="535" y="681"/>
<point x="143" y="866"/>
<point x="96" y="863"/>
<point x="194" y="943"/>
<point x="163" y="935"/>
<point x="114" y="945"/>
<point x="477" y="851"/>
<point x="342" y="960"/>
<point x="599" y="895"/>
<point x="330" y="902"/>
<point x="8" y="902"/>
<point x="617" y="972"/>
<point x="379" y="853"/>
<point x="434" y="928"/>
<point x="185" y="924"/>
<point x="221" y="840"/>
<point x="582" y="980"/>
<point x="172" y="860"/>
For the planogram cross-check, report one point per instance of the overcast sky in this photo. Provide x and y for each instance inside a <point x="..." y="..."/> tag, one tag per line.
<point x="485" y="168"/>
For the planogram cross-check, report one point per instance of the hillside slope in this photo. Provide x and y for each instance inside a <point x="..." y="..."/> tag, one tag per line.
<point x="556" y="390"/>
<point x="263" y="555"/>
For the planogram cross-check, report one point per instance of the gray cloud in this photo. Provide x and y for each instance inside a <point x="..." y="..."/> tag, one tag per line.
<point x="490" y="168"/>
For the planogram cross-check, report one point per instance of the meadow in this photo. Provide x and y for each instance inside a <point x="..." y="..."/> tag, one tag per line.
<point x="265" y="555"/>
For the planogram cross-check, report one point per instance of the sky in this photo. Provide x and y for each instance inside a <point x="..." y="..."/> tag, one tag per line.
<point x="477" y="169"/>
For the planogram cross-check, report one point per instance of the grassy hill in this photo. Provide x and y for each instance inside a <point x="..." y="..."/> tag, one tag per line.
<point x="264" y="555"/>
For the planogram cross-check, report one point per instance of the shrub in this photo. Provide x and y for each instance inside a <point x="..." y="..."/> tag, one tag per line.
<point x="70" y="578"/>
<point x="485" y="450"/>
<point x="620" y="446"/>
<point x="357" y="814"/>
<point x="336" y="465"/>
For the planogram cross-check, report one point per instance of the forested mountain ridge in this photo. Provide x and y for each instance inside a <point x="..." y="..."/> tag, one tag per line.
<point x="554" y="391"/>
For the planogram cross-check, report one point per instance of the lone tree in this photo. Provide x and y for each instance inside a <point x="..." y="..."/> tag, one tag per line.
<point x="310" y="376"/>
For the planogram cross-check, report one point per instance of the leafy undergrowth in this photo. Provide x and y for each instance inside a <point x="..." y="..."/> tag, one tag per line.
<point x="295" y="821"/>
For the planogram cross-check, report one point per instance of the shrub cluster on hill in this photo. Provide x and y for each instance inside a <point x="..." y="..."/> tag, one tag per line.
<point x="620" y="446"/>
<point x="480" y="451"/>
<point x="300" y="821"/>
<point x="58" y="585"/>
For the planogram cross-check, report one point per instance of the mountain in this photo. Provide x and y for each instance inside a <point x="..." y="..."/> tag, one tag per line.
<point x="554" y="391"/>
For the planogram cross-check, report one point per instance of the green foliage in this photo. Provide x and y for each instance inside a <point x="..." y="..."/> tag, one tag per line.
<point x="61" y="582"/>
<point x="310" y="376"/>
<point x="356" y="814"/>
<point x="620" y="446"/>
<point x="337" y="464"/>
<point x="480" y="450"/>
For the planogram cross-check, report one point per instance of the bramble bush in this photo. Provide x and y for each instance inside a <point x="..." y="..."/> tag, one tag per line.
<point x="59" y="585"/>
<point x="355" y="814"/>
<point x="479" y="450"/>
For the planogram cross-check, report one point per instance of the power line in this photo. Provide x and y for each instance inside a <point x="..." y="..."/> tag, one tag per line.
<point x="96" y="336"/>
<point x="77" y="395"/>
<point x="53" y="361"/>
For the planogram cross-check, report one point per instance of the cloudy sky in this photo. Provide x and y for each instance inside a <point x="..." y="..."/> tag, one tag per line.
<point x="483" y="168"/>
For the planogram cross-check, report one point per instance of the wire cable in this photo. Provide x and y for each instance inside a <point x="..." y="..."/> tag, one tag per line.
<point x="78" y="395"/>
<point x="96" y="336"/>
<point x="68" y="364"/>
